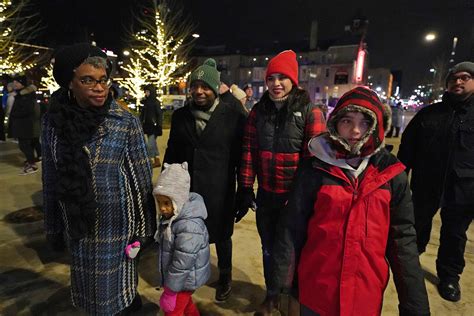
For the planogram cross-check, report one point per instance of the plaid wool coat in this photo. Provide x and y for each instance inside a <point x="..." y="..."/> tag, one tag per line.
<point x="103" y="279"/>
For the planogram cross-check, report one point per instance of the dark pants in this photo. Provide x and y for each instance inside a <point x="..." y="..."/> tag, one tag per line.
<point x="424" y="211"/>
<point x="224" y="256"/>
<point x="277" y="248"/>
<point x="455" y="222"/>
<point x="2" y="123"/>
<point x="28" y="146"/>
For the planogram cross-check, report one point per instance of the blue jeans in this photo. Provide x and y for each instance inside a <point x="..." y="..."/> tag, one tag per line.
<point x="151" y="146"/>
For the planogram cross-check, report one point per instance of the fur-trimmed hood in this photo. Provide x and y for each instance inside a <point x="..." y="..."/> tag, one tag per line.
<point x="365" y="101"/>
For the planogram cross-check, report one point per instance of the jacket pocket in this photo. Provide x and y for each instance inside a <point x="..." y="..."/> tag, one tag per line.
<point x="464" y="173"/>
<point x="377" y="219"/>
<point x="466" y="136"/>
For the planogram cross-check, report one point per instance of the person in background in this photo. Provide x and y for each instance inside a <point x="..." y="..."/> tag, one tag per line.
<point x="250" y="102"/>
<point x="207" y="133"/>
<point x="10" y="99"/>
<point x="240" y="95"/>
<point x="97" y="188"/>
<point x="276" y="135"/>
<point x="397" y="117"/>
<point x="118" y="95"/>
<point x="351" y="217"/>
<point x="438" y="147"/>
<point x="151" y="117"/>
<point x="24" y="123"/>
<point x="5" y="92"/>
<point x="226" y="95"/>
<point x="183" y="241"/>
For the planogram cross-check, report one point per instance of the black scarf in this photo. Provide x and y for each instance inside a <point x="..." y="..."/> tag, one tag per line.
<point x="75" y="126"/>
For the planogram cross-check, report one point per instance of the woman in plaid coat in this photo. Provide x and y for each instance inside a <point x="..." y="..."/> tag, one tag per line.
<point x="96" y="183"/>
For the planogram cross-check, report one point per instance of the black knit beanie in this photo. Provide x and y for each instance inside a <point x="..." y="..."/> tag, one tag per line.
<point x="68" y="58"/>
<point x="226" y="79"/>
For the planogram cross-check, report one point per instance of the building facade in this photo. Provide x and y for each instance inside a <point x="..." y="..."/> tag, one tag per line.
<point x="325" y="74"/>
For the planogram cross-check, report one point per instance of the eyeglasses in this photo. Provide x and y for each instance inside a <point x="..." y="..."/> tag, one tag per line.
<point x="91" y="82"/>
<point x="463" y="78"/>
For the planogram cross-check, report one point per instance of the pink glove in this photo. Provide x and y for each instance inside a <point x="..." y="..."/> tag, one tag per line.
<point x="168" y="300"/>
<point x="132" y="249"/>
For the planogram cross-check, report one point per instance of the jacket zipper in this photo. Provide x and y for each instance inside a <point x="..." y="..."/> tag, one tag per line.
<point x="276" y="135"/>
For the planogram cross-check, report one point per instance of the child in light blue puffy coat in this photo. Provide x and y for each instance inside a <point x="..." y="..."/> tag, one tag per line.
<point x="183" y="240"/>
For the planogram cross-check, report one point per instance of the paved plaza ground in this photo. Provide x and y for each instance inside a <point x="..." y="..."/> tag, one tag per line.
<point x="35" y="280"/>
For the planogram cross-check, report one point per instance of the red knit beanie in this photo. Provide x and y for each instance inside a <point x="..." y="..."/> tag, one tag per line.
<point x="284" y="63"/>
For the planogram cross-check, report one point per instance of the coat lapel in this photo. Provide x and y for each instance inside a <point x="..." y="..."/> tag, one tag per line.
<point x="214" y="122"/>
<point x="190" y="126"/>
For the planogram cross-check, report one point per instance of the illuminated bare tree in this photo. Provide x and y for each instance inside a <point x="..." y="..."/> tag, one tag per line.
<point x="18" y="27"/>
<point x="135" y="81"/>
<point x="161" y="40"/>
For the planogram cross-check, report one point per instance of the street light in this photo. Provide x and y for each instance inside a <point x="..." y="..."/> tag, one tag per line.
<point x="195" y="35"/>
<point x="126" y="53"/>
<point x="430" y="37"/>
<point x="453" y="50"/>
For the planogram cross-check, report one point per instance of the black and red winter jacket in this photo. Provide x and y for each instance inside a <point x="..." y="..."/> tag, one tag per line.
<point x="275" y="141"/>
<point x="347" y="232"/>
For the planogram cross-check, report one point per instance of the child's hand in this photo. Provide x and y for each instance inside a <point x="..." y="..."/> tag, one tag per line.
<point x="132" y="249"/>
<point x="168" y="300"/>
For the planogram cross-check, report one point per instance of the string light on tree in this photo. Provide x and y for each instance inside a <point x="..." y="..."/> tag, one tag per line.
<point x="48" y="81"/>
<point x="160" y="46"/>
<point x="14" y="57"/>
<point x="135" y="81"/>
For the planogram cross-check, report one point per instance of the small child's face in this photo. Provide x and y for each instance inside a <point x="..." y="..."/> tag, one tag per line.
<point x="352" y="127"/>
<point x="165" y="205"/>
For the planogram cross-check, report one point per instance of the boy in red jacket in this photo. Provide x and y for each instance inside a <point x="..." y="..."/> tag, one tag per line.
<point x="352" y="216"/>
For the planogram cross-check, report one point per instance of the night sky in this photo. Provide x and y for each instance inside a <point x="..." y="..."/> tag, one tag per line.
<point x="395" y="36"/>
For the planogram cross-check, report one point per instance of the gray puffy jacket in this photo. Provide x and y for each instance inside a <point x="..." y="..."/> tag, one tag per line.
<point x="184" y="254"/>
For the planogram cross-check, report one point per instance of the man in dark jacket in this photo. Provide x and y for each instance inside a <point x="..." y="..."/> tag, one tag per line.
<point x="25" y="123"/>
<point x="151" y="117"/>
<point x="207" y="133"/>
<point x="438" y="146"/>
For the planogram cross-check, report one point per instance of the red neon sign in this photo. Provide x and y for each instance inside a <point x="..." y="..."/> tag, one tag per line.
<point x="360" y="65"/>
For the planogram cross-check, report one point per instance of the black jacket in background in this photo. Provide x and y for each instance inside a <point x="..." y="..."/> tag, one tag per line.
<point x="228" y="97"/>
<point x="438" y="146"/>
<point x="151" y="115"/>
<point x="25" y="114"/>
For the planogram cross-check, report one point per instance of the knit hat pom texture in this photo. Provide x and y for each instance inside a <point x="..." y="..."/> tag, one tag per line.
<point x="208" y="74"/>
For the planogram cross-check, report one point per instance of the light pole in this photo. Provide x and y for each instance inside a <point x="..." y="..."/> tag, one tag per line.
<point x="453" y="51"/>
<point x="432" y="70"/>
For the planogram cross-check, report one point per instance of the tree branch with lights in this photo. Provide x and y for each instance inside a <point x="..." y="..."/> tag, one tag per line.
<point x="48" y="81"/>
<point x="135" y="81"/>
<point x="160" y="45"/>
<point x="19" y="25"/>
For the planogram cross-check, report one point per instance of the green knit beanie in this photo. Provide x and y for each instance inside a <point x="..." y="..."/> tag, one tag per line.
<point x="208" y="73"/>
